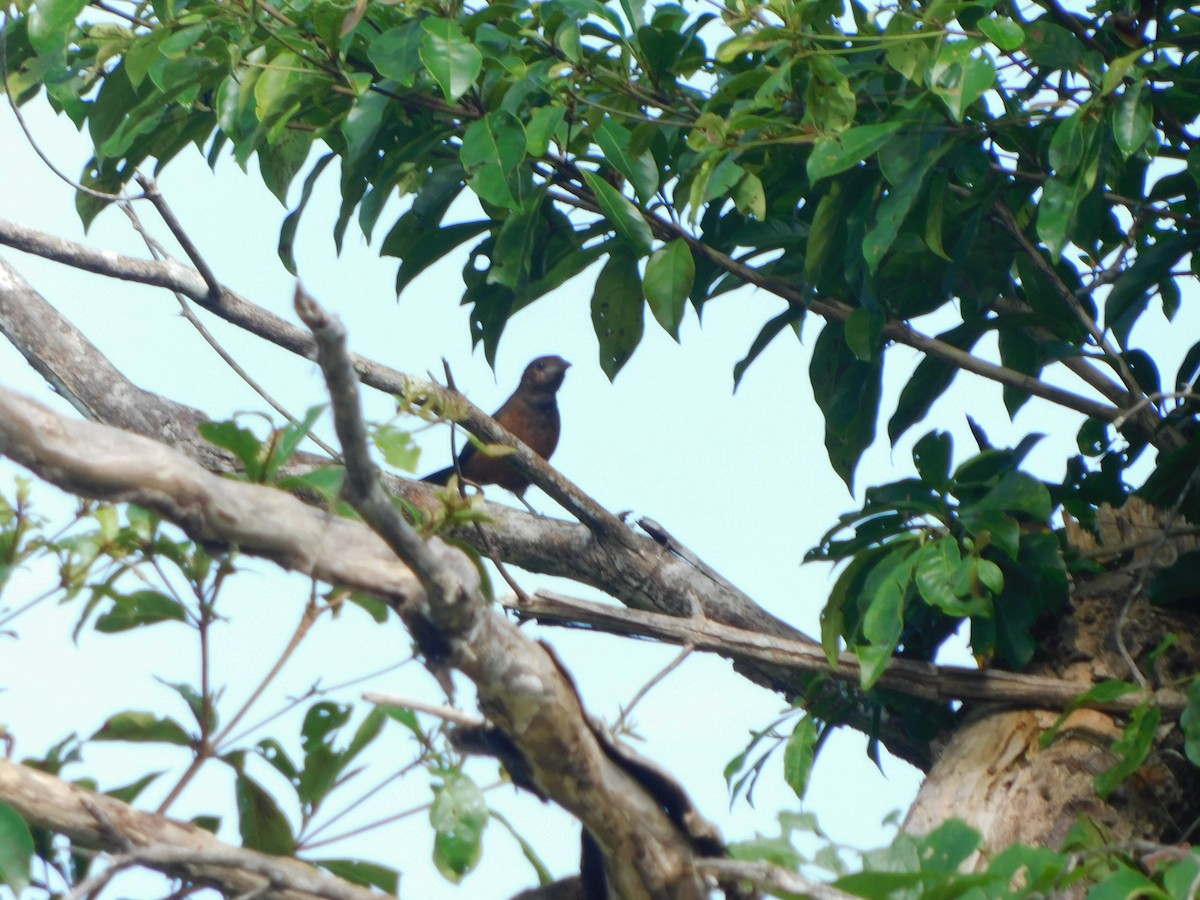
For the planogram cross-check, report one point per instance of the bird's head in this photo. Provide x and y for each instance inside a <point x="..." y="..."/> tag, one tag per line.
<point x="545" y="374"/>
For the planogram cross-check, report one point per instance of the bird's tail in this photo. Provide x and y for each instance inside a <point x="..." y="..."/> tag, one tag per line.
<point x="442" y="476"/>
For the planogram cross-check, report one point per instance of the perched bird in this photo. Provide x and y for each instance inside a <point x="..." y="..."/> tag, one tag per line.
<point x="531" y="414"/>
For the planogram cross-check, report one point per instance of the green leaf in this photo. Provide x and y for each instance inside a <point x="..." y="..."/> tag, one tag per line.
<point x="396" y="53"/>
<point x="493" y="149"/>
<point x="367" y="874"/>
<point x="544" y="876"/>
<point x="749" y="198"/>
<point x="143" y="727"/>
<point x="51" y="21"/>
<point x="16" y="849"/>
<point x="848" y="391"/>
<point x="639" y="167"/>
<point x="873" y="660"/>
<point x="799" y="754"/>
<point x="458" y="815"/>
<point x="130" y="792"/>
<point x="397" y="446"/>
<point x="1124" y="884"/>
<point x="1016" y="492"/>
<point x="617" y="310"/>
<point x="1132" y="748"/>
<point x="1006" y="34"/>
<point x="932" y="455"/>
<point x="1189" y="721"/>
<point x="864" y="332"/>
<point x="1056" y="214"/>
<point x="540" y="131"/>
<point x="832" y="155"/>
<point x="1132" y="119"/>
<point x="959" y="75"/>
<point x="670" y="272"/>
<point x="626" y="218"/>
<point x="287" y="232"/>
<point x="140" y="608"/>
<point x="261" y="824"/>
<point x="430" y="245"/>
<point x="939" y="573"/>
<point x="451" y="58"/>
<point x="793" y="315"/>
<point x="241" y="442"/>
<point x="1104" y="692"/>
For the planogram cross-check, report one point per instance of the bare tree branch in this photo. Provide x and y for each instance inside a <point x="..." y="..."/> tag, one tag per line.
<point x="177" y="849"/>
<point x="521" y="687"/>
<point x="916" y="679"/>
<point x="773" y="878"/>
<point x="97" y="461"/>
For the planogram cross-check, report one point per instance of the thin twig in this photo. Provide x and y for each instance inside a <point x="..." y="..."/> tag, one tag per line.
<point x="155" y="196"/>
<point x="445" y="713"/>
<point x="159" y="253"/>
<point x="313" y="691"/>
<point x="312" y="611"/>
<point x="650" y="685"/>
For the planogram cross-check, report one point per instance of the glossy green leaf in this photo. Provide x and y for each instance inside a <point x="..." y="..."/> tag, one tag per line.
<point x="541" y="128"/>
<point x="959" y="75"/>
<point x="793" y="316"/>
<point x="750" y="198"/>
<point x="833" y="155"/>
<point x="493" y="149"/>
<point x="639" y="167"/>
<point x="261" y="823"/>
<point x="617" y="303"/>
<point x="1006" y="34"/>
<point x="1056" y="214"/>
<point x="16" y="849"/>
<point x="287" y="233"/>
<point x="848" y="391"/>
<point x="626" y="218"/>
<point x="459" y="816"/>
<point x="397" y="446"/>
<point x="864" y="333"/>
<point x="932" y="455"/>
<point x="1132" y="119"/>
<point x="366" y="874"/>
<point x="51" y="21"/>
<point x="396" y="53"/>
<point x="241" y="442"/>
<point x="1131" y="748"/>
<point x="431" y="245"/>
<point x="139" y="609"/>
<point x="670" y="271"/>
<point x="799" y="755"/>
<point x="451" y="58"/>
<point x="143" y="727"/>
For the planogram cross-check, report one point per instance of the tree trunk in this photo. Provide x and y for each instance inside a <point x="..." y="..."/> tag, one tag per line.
<point x="992" y="771"/>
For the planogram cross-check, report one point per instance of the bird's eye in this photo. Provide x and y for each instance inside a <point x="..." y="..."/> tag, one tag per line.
<point x="541" y="365"/>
